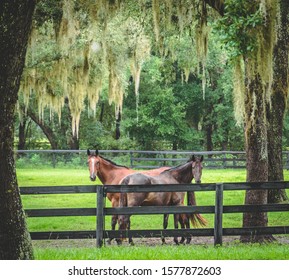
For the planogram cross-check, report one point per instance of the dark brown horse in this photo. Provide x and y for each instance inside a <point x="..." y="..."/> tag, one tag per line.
<point x="177" y="175"/>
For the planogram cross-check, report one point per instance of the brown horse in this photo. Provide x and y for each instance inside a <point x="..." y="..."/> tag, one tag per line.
<point x="177" y="175"/>
<point x="111" y="173"/>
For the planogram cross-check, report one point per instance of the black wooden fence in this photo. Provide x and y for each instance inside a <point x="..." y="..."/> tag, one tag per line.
<point x="101" y="211"/>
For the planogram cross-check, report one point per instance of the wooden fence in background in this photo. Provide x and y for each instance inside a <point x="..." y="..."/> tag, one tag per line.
<point x="100" y="232"/>
<point x="149" y="159"/>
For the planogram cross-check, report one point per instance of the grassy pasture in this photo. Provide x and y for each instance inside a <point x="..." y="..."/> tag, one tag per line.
<point x="54" y="177"/>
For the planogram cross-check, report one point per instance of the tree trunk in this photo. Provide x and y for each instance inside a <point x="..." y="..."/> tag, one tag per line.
<point x="101" y="112"/>
<point x="22" y="134"/>
<point x="256" y="151"/>
<point x="218" y="5"/>
<point x="209" y="134"/>
<point x="275" y="126"/>
<point x="73" y="141"/>
<point x="117" y="125"/>
<point x="277" y="106"/>
<point x="55" y="135"/>
<point x="15" y="25"/>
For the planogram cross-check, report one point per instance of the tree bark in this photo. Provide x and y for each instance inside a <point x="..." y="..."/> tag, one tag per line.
<point x="256" y="151"/>
<point x="22" y="134"/>
<point x="15" y="25"/>
<point x="277" y="106"/>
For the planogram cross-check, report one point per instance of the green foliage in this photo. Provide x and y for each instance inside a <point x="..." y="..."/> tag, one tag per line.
<point x="47" y="10"/>
<point x="159" y="116"/>
<point x="237" y="29"/>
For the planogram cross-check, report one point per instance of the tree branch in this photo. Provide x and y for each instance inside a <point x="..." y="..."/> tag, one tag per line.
<point x="45" y="128"/>
<point x="218" y="5"/>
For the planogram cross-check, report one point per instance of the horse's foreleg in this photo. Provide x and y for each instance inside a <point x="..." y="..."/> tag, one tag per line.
<point x="176" y="222"/>
<point x="130" y="241"/>
<point x="113" y="224"/>
<point x="183" y="222"/>
<point x="165" y="226"/>
<point x="187" y="223"/>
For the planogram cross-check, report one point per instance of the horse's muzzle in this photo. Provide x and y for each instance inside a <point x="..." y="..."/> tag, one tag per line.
<point x="198" y="182"/>
<point x="92" y="178"/>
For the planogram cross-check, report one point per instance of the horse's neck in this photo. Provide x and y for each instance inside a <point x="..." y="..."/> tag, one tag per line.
<point x="109" y="172"/>
<point x="102" y="177"/>
<point x="183" y="174"/>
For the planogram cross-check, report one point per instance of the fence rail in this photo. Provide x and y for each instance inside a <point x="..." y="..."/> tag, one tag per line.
<point x="144" y="159"/>
<point x="100" y="233"/>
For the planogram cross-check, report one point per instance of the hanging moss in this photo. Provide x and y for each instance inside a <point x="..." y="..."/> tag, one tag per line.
<point x="260" y="62"/>
<point x="156" y="18"/>
<point x="184" y="17"/>
<point x="96" y="44"/>
<point x="63" y="66"/>
<point x="239" y="90"/>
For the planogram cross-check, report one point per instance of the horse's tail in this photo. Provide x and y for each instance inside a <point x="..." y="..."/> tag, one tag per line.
<point x="123" y="196"/>
<point x="122" y="219"/>
<point x="123" y="200"/>
<point x="196" y="219"/>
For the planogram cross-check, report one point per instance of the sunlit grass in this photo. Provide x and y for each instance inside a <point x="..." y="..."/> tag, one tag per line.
<point x="234" y="251"/>
<point x="53" y="177"/>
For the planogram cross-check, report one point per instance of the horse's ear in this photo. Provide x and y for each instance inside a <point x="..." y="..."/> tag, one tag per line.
<point x="88" y="152"/>
<point x="96" y="152"/>
<point x="202" y="158"/>
<point x="193" y="158"/>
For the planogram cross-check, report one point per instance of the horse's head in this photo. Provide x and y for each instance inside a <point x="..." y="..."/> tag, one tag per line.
<point x="197" y="168"/>
<point x="93" y="163"/>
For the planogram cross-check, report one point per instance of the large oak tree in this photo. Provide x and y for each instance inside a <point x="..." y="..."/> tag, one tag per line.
<point x="15" y="25"/>
<point x="263" y="93"/>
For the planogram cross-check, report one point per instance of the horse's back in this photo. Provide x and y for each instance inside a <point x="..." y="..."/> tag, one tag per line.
<point x="136" y="179"/>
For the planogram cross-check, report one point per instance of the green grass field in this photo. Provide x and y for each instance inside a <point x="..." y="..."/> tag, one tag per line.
<point x="55" y="177"/>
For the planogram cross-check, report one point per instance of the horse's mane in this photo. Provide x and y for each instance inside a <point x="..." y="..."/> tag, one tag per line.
<point x="110" y="161"/>
<point x="192" y="158"/>
<point x="176" y="167"/>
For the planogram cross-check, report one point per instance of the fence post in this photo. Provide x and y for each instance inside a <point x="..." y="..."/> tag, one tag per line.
<point x="224" y="160"/>
<point x="131" y="160"/>
<point x="99" y="216"/>
<point x="53" y="160"/>
<point x="165" y="159"/>
<point x="218" y="226"/>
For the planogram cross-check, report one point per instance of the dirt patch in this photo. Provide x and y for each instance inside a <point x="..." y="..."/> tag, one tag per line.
<point x="91" y="243"/>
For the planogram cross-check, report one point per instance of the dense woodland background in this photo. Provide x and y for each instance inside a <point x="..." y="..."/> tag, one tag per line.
<point x="171" y="111"/>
